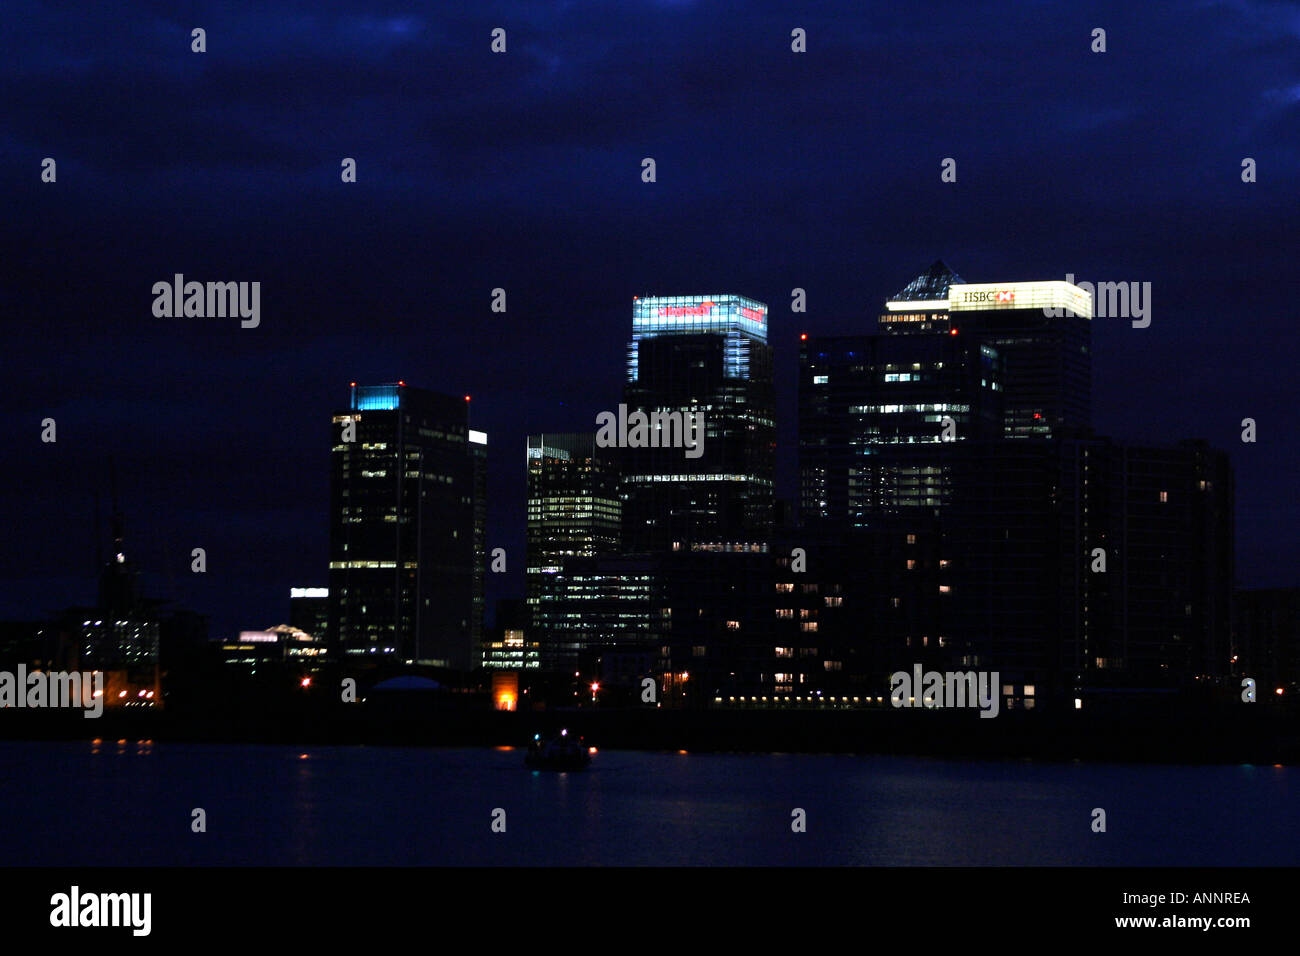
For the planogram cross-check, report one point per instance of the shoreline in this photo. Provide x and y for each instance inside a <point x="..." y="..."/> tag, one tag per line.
<point x="1227" y="735"/>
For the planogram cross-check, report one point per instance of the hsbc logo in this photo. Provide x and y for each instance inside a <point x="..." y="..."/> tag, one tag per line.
<point x="1005" y="295"/>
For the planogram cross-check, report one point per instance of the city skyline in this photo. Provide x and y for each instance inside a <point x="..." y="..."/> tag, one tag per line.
<point x="502" y="586"/>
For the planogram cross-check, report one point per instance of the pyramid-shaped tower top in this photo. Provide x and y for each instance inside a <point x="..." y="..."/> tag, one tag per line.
<point x="931" y="284"/>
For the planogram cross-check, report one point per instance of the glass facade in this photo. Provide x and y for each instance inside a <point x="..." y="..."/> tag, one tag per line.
<point x="700" y="355"/>
<point x="408" y="518"/>
<point x="740" y="319"/>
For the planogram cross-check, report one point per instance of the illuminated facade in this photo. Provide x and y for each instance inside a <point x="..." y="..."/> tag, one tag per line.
<point x="511" y="644"/>
<point x="408" y="523"/>
<point x="872" y="413"/>
<point x="574" y="509"/>
<point x="704" y="354"/>
<point x="598" y="604"/>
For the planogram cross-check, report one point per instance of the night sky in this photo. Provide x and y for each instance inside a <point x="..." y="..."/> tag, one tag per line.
<point x="522" y="171"/>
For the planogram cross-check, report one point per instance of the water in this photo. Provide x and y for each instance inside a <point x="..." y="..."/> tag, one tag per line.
<point x="78" y="804"/>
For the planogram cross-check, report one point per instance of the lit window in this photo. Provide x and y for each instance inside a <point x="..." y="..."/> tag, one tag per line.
<point x="1164" y="496"/>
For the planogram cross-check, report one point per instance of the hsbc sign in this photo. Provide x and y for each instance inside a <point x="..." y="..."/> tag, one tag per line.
<point x="1020" y="295"/>
<point x="996" y="296"/>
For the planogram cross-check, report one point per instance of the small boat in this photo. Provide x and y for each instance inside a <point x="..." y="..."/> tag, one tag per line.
<point x="564" y="751"/>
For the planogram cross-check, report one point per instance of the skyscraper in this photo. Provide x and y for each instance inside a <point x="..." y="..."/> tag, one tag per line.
<point x="872" y="414"/>
<point x="1041" y="330"/>
<point x="700" y="355"/>
<point x="408" y="519"/>
<point x="574" y="508"/>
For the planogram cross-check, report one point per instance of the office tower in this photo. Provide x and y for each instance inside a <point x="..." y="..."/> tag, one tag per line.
<point x="1041" y="330"/>
<point x="1162" y="518"/>
<point x="878" y="414"/>
<point x="595" y="605"/>
<point x="697" y="356"/>
<point x="309" y="610"/>
<point x="408" y="510"/>
<point x="574" y="509"/>
<point x="1075" y="564"/>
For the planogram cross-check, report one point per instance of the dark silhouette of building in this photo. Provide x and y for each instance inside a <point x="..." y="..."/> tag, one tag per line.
<point x="1268" y="639"/>
<point x="407" y="527"/>
<point x="309" y="610"/>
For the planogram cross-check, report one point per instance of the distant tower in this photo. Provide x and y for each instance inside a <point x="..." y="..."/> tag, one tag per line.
<point x="574" y="508"/>
<point x="407" y="526"/>
<point x="706" y="354"/>
<point x="1041" y="330"/>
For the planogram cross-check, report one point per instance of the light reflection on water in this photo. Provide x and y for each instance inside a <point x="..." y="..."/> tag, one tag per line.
<point x="130" y="802"/>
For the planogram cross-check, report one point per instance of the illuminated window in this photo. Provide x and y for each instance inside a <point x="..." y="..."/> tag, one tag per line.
<point x="784" y="651"/>
<point x="1164" y="497"/>
<point x="911" y="539"/>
